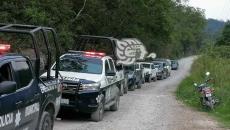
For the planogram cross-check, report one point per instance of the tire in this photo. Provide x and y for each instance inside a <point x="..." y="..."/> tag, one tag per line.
<point x="139" y="85"/>
<point x="165" y="76"/>
<point x="125" y="86"/>
<point x="132" y="88"/>
<point x="149" y="79"/>
<point x="99" y="113"/>
<point x="122" y="89"/>
<point x="143" y="81"/>
<point x="115" y="106"/>
<point x="46" y="122"/>
<point x="155" y="79"/>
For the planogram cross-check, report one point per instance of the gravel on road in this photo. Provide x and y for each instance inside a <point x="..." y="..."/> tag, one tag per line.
<point x="153" y="107"/>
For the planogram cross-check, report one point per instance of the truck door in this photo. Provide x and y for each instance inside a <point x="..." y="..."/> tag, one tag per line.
<point x="27" y="96"/>
<point x="7" y="98"/>
<point x="113" y="89"/>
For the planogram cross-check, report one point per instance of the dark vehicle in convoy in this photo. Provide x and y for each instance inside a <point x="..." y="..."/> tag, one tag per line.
<point x="166" y="64"/>
<point x="90" y="83"/>
<point x="162" y="71"/>
<point x="174" y="64"/>
<point x="134" y="77"/>
<point x="27" y="101"/>
<point x="106" y="45"/>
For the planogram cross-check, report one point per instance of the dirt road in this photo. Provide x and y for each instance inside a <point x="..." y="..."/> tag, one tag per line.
<point x="153" y="107"/>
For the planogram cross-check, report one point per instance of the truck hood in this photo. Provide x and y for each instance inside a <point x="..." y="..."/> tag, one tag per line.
<point x="147" y="70"/>
<point x="82" y="77"/>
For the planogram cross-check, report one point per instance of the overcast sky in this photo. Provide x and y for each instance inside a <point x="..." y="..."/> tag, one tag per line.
<point x="217" y="9"/>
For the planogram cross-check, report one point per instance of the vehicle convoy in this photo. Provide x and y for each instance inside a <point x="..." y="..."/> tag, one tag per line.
<point x="134" y="77"/>
<point x="161" y="71"/>
<point x="150" y="73"/>
<point x="90" y="83"/>
<point x="27" y="101"/>
<point x="207" y="97"/>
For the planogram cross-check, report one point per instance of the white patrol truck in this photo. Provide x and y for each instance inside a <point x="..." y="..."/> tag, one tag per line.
<point x="90" y="83"/>
<point x="150" y="72"/>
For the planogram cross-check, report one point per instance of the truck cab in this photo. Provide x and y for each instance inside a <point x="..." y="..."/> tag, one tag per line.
<point x="135" y="78"/>
<point x="90" y="83"/>
<point x="27" y="101"/>
<point x="150" y="72"/>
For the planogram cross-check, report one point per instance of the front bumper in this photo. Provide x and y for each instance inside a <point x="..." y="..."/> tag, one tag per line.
<point x="131" y="82"/>
<point x="160" y="74"/>
<point x="86" y="102"/>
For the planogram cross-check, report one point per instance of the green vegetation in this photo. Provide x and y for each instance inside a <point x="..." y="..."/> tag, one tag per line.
<point x="165" y="26"/>
<point x="215" y="60"/>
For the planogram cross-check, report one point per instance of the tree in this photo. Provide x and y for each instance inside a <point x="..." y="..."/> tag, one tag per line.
<point x="225" y="37"/>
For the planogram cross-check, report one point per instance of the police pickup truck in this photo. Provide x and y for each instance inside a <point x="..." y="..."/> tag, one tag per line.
<point x="90" y="83"/>
<point x="27" y="101"/>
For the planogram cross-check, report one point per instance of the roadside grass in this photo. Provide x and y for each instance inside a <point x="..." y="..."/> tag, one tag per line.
<point x="220" y="71"/>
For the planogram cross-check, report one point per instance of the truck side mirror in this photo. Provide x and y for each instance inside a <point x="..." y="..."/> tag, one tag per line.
<point x="7" y="87"/>
<point x="110" y="73"/>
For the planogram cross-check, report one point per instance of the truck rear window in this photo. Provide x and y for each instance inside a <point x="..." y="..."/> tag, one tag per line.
<point x="73" y="63"/>
<point x="146" y="66"/>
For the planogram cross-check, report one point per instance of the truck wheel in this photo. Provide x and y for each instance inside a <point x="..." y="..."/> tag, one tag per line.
<point x="139" y="84"/>
<point x="115" y="106"/>
<point x="155" y="79"/>
<point x="125" y="86"/>
<point x="143" y="81"/>
<point x="122" y="89"/>
<point x="98" y="114"/>
<point x="149" y="79"/>
<point x="46" y="122"/>
<point x="132" y="88"/>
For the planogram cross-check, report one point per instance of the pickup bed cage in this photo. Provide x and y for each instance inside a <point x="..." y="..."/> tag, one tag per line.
<point x="82" y="40"/>
<point x="31" y="30"/>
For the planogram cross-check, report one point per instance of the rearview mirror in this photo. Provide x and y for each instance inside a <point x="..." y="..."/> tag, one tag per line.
<point x="110" y="73"/>
<point x="7" y="87"/>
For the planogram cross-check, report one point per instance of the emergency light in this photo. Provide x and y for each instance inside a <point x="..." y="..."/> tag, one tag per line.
<point x="4" y="48"/>
<point x="92" y="53"/>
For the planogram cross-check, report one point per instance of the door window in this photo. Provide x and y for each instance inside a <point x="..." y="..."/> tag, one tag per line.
<point x="5" y="73"/>
<point x="111" y="65"/>
<point x="24" y="73"/>
<point x="106" y="66"/>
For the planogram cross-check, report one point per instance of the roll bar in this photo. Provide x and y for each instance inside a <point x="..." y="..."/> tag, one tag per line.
<point x="31" y="30"/>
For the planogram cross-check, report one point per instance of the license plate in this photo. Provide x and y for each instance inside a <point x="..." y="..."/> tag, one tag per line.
<point x="208" y="95"/>
<point x="65" y="101"/>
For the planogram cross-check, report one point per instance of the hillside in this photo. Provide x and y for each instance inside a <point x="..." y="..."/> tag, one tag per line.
<point x="214" y="28"/>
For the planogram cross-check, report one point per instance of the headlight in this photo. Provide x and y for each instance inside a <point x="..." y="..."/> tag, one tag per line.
<point x="93" y="86"/>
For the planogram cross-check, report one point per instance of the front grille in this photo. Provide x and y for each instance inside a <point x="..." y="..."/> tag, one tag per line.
<point x="70" y="87"/>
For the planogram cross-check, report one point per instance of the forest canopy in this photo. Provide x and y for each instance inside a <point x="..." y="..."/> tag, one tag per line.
<point x="167" y="27"/>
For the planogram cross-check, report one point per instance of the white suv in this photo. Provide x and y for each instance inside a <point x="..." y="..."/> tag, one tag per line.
<point x="90" y="83"/>
<point x="150" y="73"/>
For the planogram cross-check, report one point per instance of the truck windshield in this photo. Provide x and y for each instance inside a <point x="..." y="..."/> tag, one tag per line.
<point x="129" y="67"/>
<point x="159" y="65"/>
<point x="79" y="64"/>
<point x="146" y="66"/>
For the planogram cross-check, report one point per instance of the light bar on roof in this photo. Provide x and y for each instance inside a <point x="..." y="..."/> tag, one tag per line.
<point x="4" y="48"/>
<point x="92" y="53"/>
